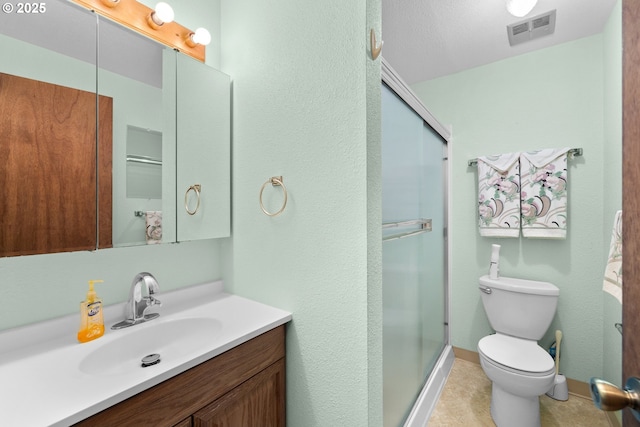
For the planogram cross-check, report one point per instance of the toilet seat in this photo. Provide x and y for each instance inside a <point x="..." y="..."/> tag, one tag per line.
<point x="516" y="355"/>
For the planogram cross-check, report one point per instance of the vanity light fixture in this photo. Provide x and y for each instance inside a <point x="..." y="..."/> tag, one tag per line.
<point x="157" y="24"/>
<point x="520" y="8"/>
<point x="162" y="14"/>
<point x="200" y="37"/>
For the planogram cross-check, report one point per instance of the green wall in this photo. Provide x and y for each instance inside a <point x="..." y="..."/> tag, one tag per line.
<point x="304" y="89"/>
<point x="612" y="185"/>
<point x="548" y="98"/>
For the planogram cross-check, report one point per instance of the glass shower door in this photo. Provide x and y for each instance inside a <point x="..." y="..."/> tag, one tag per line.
<point x="413" y="252"/>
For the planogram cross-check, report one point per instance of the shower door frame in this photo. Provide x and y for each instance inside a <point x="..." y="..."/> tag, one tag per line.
<point x="427" y="398"/>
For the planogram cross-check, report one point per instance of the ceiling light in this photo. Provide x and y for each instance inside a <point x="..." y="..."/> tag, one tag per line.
<point x="520" y="8"/>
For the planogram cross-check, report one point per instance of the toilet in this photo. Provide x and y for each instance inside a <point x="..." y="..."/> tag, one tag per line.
<point x="520" y="311"/>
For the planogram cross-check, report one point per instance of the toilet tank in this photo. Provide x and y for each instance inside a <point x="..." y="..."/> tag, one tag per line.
<point x="518" y="307"/>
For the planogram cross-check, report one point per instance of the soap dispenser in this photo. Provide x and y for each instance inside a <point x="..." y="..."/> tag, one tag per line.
<point x="91" y="318"/>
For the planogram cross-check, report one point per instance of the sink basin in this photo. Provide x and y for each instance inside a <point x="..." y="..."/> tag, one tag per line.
<point x="171" y="339"/>
<point x="43" y="361"/>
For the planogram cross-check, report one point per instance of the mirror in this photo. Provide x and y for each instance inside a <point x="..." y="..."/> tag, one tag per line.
<point x="108" y="175"/>
<point x="48" y="132"/>
<point x="139" y="75"/>
<point x="204" y="129"/>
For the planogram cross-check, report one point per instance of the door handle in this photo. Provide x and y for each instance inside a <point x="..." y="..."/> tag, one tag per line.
<point x="609" y="397"/>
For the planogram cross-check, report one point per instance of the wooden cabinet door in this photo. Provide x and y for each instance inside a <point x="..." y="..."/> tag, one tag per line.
<point x="48" y="171"/>
<point x="185" y="423"/>
<point x="258" y="402"/>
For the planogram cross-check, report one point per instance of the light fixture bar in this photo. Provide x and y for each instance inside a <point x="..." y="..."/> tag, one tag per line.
<point x="135" y="15"/>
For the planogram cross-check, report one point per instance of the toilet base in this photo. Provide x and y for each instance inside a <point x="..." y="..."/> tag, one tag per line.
<point x="508" y="410"/>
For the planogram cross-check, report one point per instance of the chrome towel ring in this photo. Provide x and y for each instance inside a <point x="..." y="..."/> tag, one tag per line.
<point x="196" y="188"/>
<point x="275" y="181"/>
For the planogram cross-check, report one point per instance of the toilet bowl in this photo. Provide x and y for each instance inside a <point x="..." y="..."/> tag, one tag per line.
<point x="520" y="311"/>
<point x="520" y="371"/>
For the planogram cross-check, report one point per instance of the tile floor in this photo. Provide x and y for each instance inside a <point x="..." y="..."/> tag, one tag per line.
<point x="466" y="398"/>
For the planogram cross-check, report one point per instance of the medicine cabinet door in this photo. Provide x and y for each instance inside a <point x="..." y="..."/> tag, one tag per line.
<point x="139" y="75"/>
<point x="49" y="171"/>
<point x="203" y="151"/>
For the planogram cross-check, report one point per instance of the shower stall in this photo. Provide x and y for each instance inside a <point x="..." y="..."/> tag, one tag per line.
<point x="416" y="351"/>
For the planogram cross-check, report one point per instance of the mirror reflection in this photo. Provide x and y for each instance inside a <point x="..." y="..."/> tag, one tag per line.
<point x="139" y="75"/>
<point x="48" y="132"/>
<point x="84" y="171"/>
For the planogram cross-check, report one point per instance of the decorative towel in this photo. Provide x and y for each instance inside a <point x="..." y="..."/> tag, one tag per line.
<point x="544" y="193"/>
<point x="154" y="227"/>
<point x="499" y="195"/>
<point x="612" y="282"/>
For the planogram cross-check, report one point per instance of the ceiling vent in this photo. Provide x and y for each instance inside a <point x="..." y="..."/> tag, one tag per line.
<point x="533" y="28"/>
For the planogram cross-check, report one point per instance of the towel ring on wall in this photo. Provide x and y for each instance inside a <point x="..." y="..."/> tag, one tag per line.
<point x="196" y="188"/>
<point x="275" y="181"/>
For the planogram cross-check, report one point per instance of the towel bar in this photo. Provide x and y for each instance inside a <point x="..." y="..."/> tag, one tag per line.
<point x="424" y="224"/>
<point x="574" y="152"/>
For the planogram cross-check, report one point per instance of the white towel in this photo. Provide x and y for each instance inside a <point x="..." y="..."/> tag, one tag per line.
<point x="499" y="195"/>
<point x="544" y="193"/>
<point x="153" y="227"/>
<point x="612" y="282"/>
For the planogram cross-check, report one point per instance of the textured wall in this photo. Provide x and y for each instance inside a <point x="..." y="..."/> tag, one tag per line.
<point x="301" y="76"/>
<point x="548" y="98"/>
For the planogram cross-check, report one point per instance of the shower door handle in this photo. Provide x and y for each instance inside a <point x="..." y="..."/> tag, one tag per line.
<point x="608" y="397"/>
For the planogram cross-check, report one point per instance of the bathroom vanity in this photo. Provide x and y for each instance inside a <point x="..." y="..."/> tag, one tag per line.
<point x="222" y="362"/>
<point x="242" y="387"/>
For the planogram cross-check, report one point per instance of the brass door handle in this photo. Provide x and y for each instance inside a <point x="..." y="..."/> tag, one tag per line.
<point x="609" y="397"/>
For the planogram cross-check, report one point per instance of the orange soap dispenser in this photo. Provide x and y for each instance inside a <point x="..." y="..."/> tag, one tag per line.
<point x="91" y="319"/>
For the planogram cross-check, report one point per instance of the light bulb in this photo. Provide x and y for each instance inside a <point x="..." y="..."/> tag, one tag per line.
<point x="162" y="14"/>
<point x="201" y="36"/>
<point x="110" y="3"/>
<point x="520" y="8"/>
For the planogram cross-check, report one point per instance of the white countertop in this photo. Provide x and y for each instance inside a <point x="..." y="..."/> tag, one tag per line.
<point x="40" y="380"/>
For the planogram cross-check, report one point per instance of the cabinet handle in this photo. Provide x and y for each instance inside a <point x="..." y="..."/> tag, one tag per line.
<point x="196" y="188"/>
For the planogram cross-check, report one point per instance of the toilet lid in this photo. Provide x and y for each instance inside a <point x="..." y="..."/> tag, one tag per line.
<point x="516" y="353"/>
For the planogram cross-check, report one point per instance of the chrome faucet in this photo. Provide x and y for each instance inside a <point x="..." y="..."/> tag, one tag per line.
<point x="138" y="304"/>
